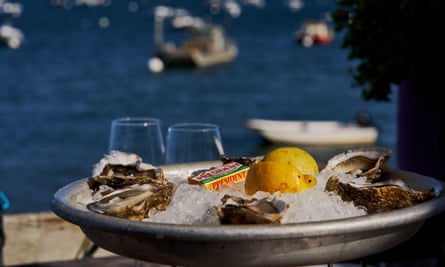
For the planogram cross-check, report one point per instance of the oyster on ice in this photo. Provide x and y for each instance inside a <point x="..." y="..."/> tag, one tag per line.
<point x="378" y="197"/>
<point x="371" y="186"/>
<point x="236" y="210"/>
<point x="124" y="186"/>
<point x="132" y="202"/>
<point x="120" y="169"/>
<point x="367" y="162"/>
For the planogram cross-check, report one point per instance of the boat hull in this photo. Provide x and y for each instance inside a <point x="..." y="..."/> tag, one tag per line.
<point x="197" y="58"/>
<point x="313" y="132"/>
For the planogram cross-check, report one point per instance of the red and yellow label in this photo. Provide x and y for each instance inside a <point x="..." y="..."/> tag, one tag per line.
<point x="212" y="179"/>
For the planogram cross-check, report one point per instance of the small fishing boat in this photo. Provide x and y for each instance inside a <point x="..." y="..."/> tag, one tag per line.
<point x="313" y="132"/>
<point x="11" y="36"/>
<point x="314" y="32"/>
<point x="207" y="45"/>
<point x="10" y="10"/>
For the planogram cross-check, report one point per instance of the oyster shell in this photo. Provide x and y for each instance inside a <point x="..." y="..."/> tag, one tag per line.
<point x="367" y="162"/>
<point x="124" y="186"/>
<point x="132" y="203"/>
<point x="116" y="158"/>
<point x="248" y="161"/>
<point x="236" y="210"/>
<point x="120" y="169"/>
<point x="386" y="195"/>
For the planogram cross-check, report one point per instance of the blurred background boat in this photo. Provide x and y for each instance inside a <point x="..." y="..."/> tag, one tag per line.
<point x="10" y="36"/>
<point x="316" y="132"/>
<point x="206" y="44"/>
<point x="69" y="4"/>
<point x="10" y="10"/>
<point x="314" y="32"/>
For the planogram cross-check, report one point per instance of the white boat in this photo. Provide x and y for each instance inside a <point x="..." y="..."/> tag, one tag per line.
<point x="206" y="46"/>
<point x="313" y="132"/>
<point x="314" y="32"/>
<point x="8" y="9"/>
<point x="11" y="36"/>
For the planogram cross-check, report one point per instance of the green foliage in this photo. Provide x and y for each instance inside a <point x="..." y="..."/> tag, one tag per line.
<point x="392" y="41"/>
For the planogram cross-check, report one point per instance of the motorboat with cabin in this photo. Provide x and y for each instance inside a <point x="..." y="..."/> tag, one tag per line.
<point x="207" y="44"/>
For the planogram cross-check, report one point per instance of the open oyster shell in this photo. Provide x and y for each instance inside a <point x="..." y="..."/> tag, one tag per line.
<point x="121" y="169"/>
<point x="370" y="186"/>
<point x="124" y="186"/>
<point x="378" y="197"/>
<point x="236" y="210"/>
<point x="367" y="162"/>
<point x="132" y="202"/>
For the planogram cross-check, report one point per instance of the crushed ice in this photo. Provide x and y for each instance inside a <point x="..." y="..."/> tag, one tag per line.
<point x="192" y="204"/>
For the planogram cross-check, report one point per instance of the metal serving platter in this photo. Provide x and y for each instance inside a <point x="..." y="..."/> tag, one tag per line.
<point x="294" y="244"/>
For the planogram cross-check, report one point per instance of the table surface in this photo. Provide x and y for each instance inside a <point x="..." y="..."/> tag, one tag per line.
<point x="119" y="261"/>
<point x="112" y="261"/>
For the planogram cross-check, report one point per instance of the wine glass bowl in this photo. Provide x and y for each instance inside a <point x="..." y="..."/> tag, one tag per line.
<point x="140" y="135"/>
<point x="193" y="142"/>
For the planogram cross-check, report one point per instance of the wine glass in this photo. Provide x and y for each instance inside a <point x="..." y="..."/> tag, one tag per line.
<point x="193" y="142"/>
<point x="139" y="135"/>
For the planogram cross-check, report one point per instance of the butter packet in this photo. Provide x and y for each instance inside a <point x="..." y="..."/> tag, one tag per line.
<point x="214" y="178"/>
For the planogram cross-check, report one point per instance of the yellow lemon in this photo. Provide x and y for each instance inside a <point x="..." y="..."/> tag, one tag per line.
<point x="271" y="176"/>
<point x="294" y="156"/>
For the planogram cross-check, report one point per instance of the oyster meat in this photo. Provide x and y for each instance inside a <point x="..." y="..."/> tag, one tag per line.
<point x="131" y="202"/>
<point x="124" y="186"/>
<point x="367" y="162"/>
<point x="236" y="210"/>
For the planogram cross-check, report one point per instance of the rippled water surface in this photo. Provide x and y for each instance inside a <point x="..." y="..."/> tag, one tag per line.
<point x="60" y="90"/>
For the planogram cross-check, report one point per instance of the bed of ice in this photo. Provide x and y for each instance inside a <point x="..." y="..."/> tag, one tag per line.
<point x="192" y="204"/>
<point x="195" y="205"/>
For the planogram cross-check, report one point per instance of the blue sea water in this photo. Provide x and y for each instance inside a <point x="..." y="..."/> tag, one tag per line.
<point x="61" y="89"/>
